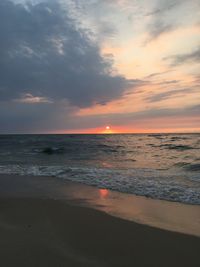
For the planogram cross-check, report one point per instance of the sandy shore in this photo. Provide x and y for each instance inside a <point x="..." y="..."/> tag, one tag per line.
<point x="43" y="224"/>
<point x="44" y="232"/>
<point x="173" y="216"/>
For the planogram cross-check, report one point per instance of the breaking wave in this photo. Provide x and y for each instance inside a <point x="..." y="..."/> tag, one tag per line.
<point x="144" y="182"/>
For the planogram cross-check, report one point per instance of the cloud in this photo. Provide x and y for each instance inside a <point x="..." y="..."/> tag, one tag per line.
<point x="29" y="98"/>
<point x="19" y="118"/>
<point x="158" y="28"/>
<point x="156" y="74"/>
<point x="45" y="54"/>
<point x="163" y="6"/>
<point x="26" y="117"/>
<point x="179" y="59"/>
<point x="168" y="94"/>
<point x="158" y="25"/>
<point x="146" y="119"/>
<point x="166" y="16"/>
<point x="94" y="15"/>
<point x="51" y="63"/>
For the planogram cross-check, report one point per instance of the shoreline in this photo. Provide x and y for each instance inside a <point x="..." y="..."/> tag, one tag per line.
<point x="47" y="223"/>
<point x="47" y="232"/>
<point x="173" y="216"/>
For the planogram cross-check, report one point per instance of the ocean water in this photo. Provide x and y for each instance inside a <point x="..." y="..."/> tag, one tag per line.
<point x="160" y="166"/>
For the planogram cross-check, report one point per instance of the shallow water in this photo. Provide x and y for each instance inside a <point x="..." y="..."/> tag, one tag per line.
<point x="162" y="214"/>
<point x="163" y="166"/>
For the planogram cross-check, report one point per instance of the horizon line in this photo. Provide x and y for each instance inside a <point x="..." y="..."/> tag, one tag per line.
<point x="100" y="133"/>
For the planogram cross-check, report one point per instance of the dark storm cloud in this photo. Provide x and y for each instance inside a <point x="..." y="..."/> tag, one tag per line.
<point x="44" y="54"/>
<point x="17" y="117"/>
<point x="184" y="58"/>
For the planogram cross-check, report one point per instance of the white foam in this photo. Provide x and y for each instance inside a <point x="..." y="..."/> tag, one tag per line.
<point x="145" y="182"/>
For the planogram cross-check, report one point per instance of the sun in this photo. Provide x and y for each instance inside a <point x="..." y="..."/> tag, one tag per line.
<point x="107" y="130"/>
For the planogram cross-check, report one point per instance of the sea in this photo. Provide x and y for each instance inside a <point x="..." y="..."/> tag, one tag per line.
<point x="158" y="166"/>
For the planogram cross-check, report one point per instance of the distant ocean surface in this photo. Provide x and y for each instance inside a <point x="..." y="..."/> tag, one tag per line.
<point x="160" y="166"/>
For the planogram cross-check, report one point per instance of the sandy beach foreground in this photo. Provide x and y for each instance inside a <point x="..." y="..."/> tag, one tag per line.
<point x="44" y="232"/>
<point x="38" y="228"/>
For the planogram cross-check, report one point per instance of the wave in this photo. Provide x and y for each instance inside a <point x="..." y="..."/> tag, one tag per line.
<point x="157" y="136"/>
<point x="181" y="164"/>
<point x="146" y="182"/>
<point x="49" y="150"/>
<point x="177" y="147"/>
<point x="173" y="147"/>
<point x="193" y="167"/>
<point x="53" y="150"/>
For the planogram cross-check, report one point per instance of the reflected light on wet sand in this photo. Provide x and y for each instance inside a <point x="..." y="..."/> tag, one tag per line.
<point x="103" y="193"/>
<point x="158" y="213"/>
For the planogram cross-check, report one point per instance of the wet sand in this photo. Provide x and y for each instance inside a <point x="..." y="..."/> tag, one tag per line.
<point x="162" y="214"/>
<point x="39" y="231"/>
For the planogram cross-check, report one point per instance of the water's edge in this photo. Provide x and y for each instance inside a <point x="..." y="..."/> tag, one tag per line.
<point x="159" y="166"/>
<point x="162" y="214"/>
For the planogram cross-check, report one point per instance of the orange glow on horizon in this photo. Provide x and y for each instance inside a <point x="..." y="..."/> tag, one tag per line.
<point x="123" y="130"/>
<point x="172" y="125"/>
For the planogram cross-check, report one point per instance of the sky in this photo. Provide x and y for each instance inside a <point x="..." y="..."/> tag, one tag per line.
<point x="76" y="66"/>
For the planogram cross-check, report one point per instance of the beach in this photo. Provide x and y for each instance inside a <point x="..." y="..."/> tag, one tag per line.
<point x="99" y="133"/>
<point x="38" y="230"/>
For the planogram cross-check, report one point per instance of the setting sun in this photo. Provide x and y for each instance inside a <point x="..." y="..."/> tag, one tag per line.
<point x="108" y="130"/>
<point x="99" y="107"/>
